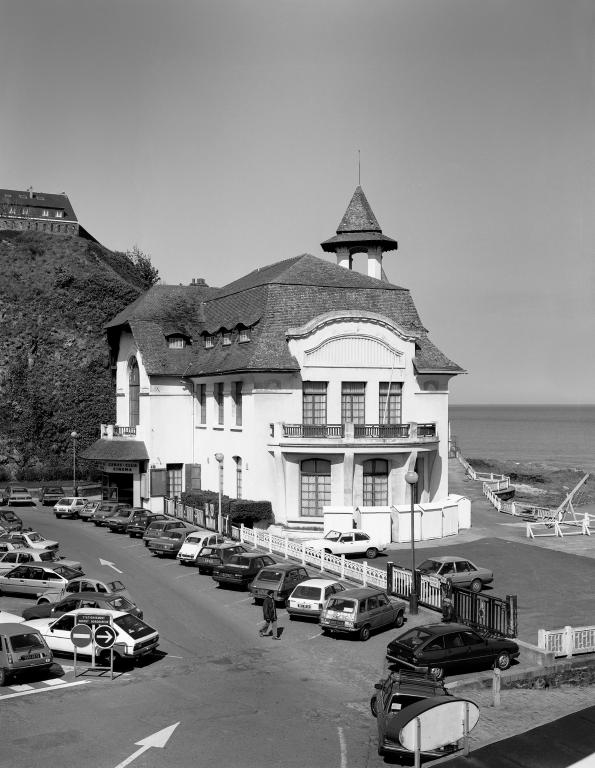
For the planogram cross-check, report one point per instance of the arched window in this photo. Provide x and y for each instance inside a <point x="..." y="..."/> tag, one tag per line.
<point x="133" y="393"/>
<point x="315" y="486"/>
<point x="238" y="461"/>
<point x="375" y="483"/>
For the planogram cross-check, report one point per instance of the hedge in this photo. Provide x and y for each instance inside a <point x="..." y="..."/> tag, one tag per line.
<point x="239" y="510"/>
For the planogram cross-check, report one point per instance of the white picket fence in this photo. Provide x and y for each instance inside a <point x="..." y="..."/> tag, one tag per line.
<point x="567" y="641"/>
<point x="561" y="529"/>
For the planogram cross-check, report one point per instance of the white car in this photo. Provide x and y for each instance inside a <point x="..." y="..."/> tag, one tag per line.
<point x="31" y="539"/>
<point x="194" y="542"/>
<point x="9" y="560"/>
<point x="10" y="618"/>
<point x="352" y="542"/>
<point x="309" y="597"/>
<point x="134" y="638"/>
<point x="69" y="506"/>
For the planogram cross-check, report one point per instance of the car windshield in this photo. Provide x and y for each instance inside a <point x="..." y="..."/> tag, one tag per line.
<point x="25" y="642"/>
<point x="240" y="560"/>
<point x="341" y="604"/>
<point x="333" y="536"/>
<point x="115" y="586"/>
<point x="68" y="573"/>
<point x="34" y="536"/>
<point x="429" y="566"/>
<point x="308" y="593"/>
<point x="269" y="574"/>
<point x="120" y="603"/>
<point x="65" y="501"/>
<point x="20" y="490"/>
<point x="414" y="637"/>
<point x="48" y="556"/>
<point x="133" y="626"/>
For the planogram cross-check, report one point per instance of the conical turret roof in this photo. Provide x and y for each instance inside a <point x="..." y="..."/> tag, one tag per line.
<point x="359" y="227"/>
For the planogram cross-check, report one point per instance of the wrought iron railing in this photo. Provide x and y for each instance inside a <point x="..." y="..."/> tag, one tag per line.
<point x="426" y="430"/>
<point x="122" y="431"/>
<point x="382" y="430"/>
<point x="313" y="430"/>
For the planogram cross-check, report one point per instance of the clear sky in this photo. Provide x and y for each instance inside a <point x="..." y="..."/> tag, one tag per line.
<point x="222" y="135"/>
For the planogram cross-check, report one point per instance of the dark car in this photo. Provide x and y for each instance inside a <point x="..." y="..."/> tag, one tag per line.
<point x="210" y="557"/>
<point x="170" y="543"/>
<point x="280" y="579"/>
<point x="51" y="494"/>
<point x="119" y="522"/>
<point x="394" y="694"/>
<point x="107" y="509"/>
<point x="22" y="650"/>
<point x="157" y="528"/>
<point x="446" y="648"/>
<point x="137" y="527"/>
<point x="9" y="521"/>
<point x="240" y="570"/>
<point x="114" y="601"/>
<point x="462" y="572"/>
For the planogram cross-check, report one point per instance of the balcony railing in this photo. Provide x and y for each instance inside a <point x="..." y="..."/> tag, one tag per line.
<point x="426" y="430"/>
<point x="381" y="430"/>
<point x="313" y="430"/>
<point x="123" y="431"/>
<point x="407" y="432"/>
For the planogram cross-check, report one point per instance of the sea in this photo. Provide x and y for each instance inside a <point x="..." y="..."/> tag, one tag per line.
<point x="551" y="436"/>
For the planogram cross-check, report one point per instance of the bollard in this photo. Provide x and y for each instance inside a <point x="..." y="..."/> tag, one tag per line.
<point x="496" y="679"/>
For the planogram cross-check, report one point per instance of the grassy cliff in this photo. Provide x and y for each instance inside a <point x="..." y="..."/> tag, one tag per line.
<point x="56" y="293"/>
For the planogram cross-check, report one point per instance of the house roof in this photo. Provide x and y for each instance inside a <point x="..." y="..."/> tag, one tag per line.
<point x="38" y="200"/>
<point x="116" y="450"/>
<point x="268" y="301"/>
<point x="359" y="227"/>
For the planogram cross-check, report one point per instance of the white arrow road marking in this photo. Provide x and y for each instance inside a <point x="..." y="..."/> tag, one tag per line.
<point x="111" y="565"/>
<point x="158" y="739"/>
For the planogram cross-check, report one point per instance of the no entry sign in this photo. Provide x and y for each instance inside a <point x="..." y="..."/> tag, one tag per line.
<point x="81" y="635"/>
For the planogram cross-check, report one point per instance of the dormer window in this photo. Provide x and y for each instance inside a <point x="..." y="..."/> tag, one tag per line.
<point x="226" y="338"/>
<point x="59" y="214"/>
<point x="45" y="213"/>
<point x="12" y="210"/>
<point x="244" y="335"/>
<point x="209" y="342"/>
<point x="176" y="342"/>
<point x="25" y="211"/>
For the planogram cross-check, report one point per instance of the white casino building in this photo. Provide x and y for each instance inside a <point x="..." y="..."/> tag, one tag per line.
<point x="317" y="384"/>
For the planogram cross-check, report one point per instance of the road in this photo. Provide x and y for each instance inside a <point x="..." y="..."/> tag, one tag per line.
<point x="240" y="700"/>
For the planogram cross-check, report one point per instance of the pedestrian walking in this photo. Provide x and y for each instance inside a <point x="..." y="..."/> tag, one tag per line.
<point x="269" y="613"/>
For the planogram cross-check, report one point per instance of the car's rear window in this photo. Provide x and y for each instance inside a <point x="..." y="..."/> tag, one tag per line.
<point x="308" y="593"/>
<point x="120" y="603"/>
<point x="414" y="637"/>
<point x="68" y="573"/>
<point x="194" y="539"/>
<point x="239" y="560"/>
<point x="269" y="574"/>
<point x="25" y="642"/>
<point x="342" y="604"/>
<point x="175" y="534"/>
<point x="429" y="566"/>
<point x="65" y="500"/>
<point x="123" y="513"/>
<point x="115" y="586"/>
<point x="133" y="626"/>
<point x="46" y="557"/>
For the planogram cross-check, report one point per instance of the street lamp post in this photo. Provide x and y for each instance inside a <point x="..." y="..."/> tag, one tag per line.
<point x="219" y="457"/>
<point x="411" y="479"/>
<point x="74" y="436"/>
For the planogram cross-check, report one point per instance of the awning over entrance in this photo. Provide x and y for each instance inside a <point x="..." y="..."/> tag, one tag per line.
<point x="116" y="450"/>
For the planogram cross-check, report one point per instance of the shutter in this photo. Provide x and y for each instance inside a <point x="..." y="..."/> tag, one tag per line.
<point x="158" y="482"/>
<point x="193" y="477"/>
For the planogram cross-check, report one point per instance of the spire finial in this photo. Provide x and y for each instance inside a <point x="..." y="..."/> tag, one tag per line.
<point x="359" y="170"/>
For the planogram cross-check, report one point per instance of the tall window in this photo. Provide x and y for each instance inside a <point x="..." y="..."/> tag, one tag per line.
<point x="314" y="402"/>
<point x="353" y="402"/>
<point x="220" y="402"/>
<point x="202" y="403"/>
<point x="133" y="393"/>
<point x="315" y="482"/>
<point x="375" y="483"/>
<point x="237" y="402"/>
<point x="238" y="461"/>
<point x="389" y="402"/>
<point x="174" y="480"/>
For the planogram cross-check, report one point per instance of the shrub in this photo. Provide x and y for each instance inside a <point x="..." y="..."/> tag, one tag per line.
<point x="239" y="510"/>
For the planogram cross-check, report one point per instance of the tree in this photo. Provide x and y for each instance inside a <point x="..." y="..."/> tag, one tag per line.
<point x="142" y="262"/>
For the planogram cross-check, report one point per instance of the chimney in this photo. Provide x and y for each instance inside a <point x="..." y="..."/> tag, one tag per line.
<point x="30" y="191"/>
<point x="198" y="281"/>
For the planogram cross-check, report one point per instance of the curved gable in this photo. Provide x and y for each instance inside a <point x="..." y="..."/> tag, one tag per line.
<point x="352" y="350"/>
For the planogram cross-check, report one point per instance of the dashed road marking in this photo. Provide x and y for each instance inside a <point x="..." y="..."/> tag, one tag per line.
<point x="23" y="687"/>
<point x="42" y="690"/>
<point x="53" y="681"/>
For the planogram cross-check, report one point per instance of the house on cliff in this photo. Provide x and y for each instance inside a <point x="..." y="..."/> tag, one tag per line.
<point x="37" y="211"/>
<point x="315" y="385"/>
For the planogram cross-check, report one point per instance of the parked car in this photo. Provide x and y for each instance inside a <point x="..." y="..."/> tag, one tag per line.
<point x="9" y="546"/>
<point x="210" y="557"/>
<point x="9" y="521"/>
<point x="34" y="580"/>
<point x="9" y="560"/>
<point x="22" y="649"/>
<point x="119" y="522"/>
<point x="444" y="648"/>
<point x="158" y="527"/>
<point x="361" y="611"/>
<point x="139" y="525"/>
<point x="16" y="494"/>
<point x="309" y="597"/>
<point x="134" y="638"/>
<point x="107" y="509"/>
<point x="86" y="512"/>
<point x="7" y="618"/>
<point x="194" y="542"/>
<point x="240" y="570"/>
<point x="30" y="539"/>
<point x="85" y="584"/>
<point x="51" y="494"/>
<point x="69" y="506"/>
<point x="394" y="694"/>
<point x="170" y="543"/>
<point x="281" y="579"/>
<point x="348" y="543"/>
<point x="114" y="601"/>
<point x="462" y="572"/>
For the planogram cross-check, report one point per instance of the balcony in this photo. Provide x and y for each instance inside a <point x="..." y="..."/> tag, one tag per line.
<point x="111" y="431"/>
<point x="358" y="434"/>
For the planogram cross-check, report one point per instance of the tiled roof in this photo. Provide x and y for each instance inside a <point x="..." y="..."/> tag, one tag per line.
<point x="268" y="301"/>
<point x="429" y="359"/>
<point x="40" y="200"/>
<point x="359" y="216"/>
<point x="116" y="450"/>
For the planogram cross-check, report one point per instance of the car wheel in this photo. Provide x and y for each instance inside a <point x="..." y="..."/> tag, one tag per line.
<point x="437" y="673"/>
<point x="476" y="585"/>
<point x="371" y="552"/>
<point x="502" y="661"/>
<point x="96" y="523"/>
<point x="42" y="601"/>
<point x="58" y="516"/>
<point x="374" y="705"/>
<point x="364" y="633"/>
<point x="400" y="620"/>
<point x="324" y="631"/>
<point x="201" y="570"/>
<point x="328" y="552"/>
<point x="3" y="677"/>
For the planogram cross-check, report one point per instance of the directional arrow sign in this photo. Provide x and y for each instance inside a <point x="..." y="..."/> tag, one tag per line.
<point x="111" y="565"/>
<point x="81" y="635"/>
<point x="104" y="636"/>
<point x="158" y="739"/>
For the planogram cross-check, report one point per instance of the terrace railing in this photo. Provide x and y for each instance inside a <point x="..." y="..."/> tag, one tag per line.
<point x="313" y="430"/>
<point x="382" y="431"/>
<point x="567" y="641"/>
